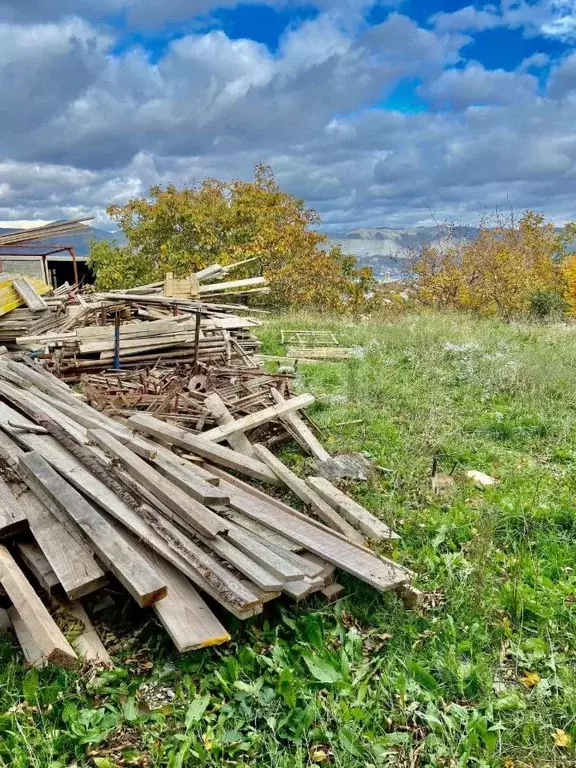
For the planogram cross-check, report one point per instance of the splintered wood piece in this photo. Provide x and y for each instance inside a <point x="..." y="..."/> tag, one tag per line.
<point x="202" y="519"/>
<point x="300" y="590"/>
<point x="38" y="565"/>
<point x="184" y="615"/>
<point x="71" y="560"/>
<point x="122" y="559"/>
<point x="220" y="412"/>
<point x="253" y="420"/>
<point x="353" y="512"/>
<point x="301" y="429"/>
<point x="379" y="572"/>
<point x="197" y="444"/>
<point x="51" y="643"/>
<point x="299" y="487"/>
<point x="12" y="516"/>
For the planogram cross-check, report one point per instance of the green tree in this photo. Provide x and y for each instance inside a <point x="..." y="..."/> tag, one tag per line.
<point x="185" y="230"/>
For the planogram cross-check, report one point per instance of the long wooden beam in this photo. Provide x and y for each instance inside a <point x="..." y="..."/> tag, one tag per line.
<point x="252" y="420"/>
<point x="42" y="628"/>
<point x="218" y="454"/>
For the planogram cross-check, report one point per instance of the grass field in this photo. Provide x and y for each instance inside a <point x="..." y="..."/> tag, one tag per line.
<point x="483" y="676"/>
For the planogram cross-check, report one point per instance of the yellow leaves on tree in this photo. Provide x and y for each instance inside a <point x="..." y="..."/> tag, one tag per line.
<point x="505" y="271"/>
<point x="184" y="230"/>
<point x="569" y="274"/>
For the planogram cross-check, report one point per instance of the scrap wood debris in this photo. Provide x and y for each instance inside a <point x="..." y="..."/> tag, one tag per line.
<point x="135" y="477"/>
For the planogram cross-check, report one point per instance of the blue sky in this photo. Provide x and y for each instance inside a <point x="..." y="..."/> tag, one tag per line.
<point x="378" y="114"/>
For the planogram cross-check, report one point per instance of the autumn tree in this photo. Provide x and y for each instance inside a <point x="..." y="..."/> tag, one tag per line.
<point x="504" y="271"/>
<point x="184" y="230"/>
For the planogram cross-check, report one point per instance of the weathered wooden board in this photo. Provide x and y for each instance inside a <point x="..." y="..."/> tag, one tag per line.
<point x="204" y="520"/>
<point x="256" y="419"/>
<point x="305" y="435"/>
<point x="380" y="573"/>
<point x="87" y="642"/>
<point x="324" y="511"/>
<point x="354" y="513"/>
<point x="29" y="295"/>
<point x="238" y="441"/>
<point x="183" y="613"/>
<point x="38" y="565"/>
<point x="44" y="632"/>
<point x="71" y="560"/>
<point x="122" y="559"/>
<point x="218" y="454"/>
<point x="12" y="516"/>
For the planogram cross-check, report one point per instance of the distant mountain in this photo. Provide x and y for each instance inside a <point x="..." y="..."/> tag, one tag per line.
<point x="386" y="249"/>
<point x="80" y="241"/>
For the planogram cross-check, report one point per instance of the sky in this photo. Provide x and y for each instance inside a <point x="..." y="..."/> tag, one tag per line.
<point x="387" y="114"/>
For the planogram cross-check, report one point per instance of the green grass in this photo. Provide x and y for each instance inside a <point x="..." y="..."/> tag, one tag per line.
<point x="365" y="682"/>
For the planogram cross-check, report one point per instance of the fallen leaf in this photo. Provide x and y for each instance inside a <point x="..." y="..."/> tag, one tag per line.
<point x="529" y="679"/>
<point x="561" y="738"/>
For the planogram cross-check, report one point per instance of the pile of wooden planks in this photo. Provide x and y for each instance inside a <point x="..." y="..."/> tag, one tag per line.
<point x="173" y="321"/>
<point x="155" y="506"/>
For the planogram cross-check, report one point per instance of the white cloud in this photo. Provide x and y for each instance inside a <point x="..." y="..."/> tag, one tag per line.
<point x="83" y="128"/>
<point x="474" y="85"/>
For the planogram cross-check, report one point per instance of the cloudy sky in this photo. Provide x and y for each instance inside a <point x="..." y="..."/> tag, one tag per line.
<point x="385" y="114"/>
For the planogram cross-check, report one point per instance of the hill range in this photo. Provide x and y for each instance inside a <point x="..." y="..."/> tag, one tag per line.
<point x="385" y="249"/>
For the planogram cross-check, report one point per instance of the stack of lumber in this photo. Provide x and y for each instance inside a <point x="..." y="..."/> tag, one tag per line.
<point x="29" y="306"/>
<point x="174" y="320"/>
<point x="153" y="505"/>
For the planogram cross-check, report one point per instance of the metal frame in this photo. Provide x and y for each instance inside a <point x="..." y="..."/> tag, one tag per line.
<point x="43" y="255"/>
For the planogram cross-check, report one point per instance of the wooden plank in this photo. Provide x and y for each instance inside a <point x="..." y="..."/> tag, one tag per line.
<point x="12" y="516"/>
<point x="31" y="650"/>
<point x="183" y="613"/>
<point x="301" y="429"/>
<point x="39" y="566"/>
<point x="379" y="572"/>
<point x="222" y="415"/>
<point x="353" y="512"/>
<point x="299" y="487"/>
<point x="182" y="474"/>
<point x="28" y="294"/>
<point x="242" y="605"/>
<point x="52" y="644"/>
<point x="300" y="590"/>
<point x="262" y="531"/>
<point x="274" y="502"/>
<point x="71" y="560"/>
<point x="204" y="520"/>
<point x="266" y="557"/>
<point x="333" y="592"/>
<point x="246" y="563"/>
<point x="215" y="453"/>
<point x="231" y="284"/>
<point x="86" y="642"/>
<point x="253" y="420"/>
<point x="122" y="559"/>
